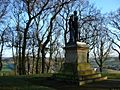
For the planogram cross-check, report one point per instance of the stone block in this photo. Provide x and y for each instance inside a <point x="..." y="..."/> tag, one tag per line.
<point x="83" y="66"/>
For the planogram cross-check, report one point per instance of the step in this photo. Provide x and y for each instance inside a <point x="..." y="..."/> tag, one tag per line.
<point x="96" y="75"/>
<point x="82" y="79"/>
<point x="86" y="72"/>
<point x="93" y="75"/>
<point x="82" y="82"/>
<point x="101" y="78"/>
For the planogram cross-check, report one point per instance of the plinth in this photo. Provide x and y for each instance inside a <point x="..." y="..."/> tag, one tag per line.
<point x="76" y="68"/>
<point x="75" y="58"/>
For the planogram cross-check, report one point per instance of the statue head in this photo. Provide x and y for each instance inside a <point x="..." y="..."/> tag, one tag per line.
<point x="75" y="13"/>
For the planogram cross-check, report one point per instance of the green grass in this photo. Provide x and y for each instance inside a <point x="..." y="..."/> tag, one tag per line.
<point x="112" y="75"/>
<point x="43" y="82"/>
<point x="24" y="82"/>
<point x="27" y="88"/>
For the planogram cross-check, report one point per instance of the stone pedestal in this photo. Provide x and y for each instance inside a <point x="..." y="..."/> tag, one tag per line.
<point x="76" y="66"/>
<point x="75" y="58"/>
<point x="76" y="53"/>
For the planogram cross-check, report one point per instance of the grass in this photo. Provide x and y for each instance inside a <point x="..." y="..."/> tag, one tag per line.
<point x="112" y="75"/>
<point x="44" y="82"/>
<point x="27" y="88"/>
<point x="24" y="82"/>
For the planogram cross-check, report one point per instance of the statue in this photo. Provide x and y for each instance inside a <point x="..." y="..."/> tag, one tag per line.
<point x="72" y="32"/>
<point x="73" y="28"/>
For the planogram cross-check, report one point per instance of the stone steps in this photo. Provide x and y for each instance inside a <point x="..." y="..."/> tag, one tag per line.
<point x="76" y="68"/>
<point x="92" y="76"/>
<point x="82" y="82"/>
<point x="80" y="79"/>
<point x="86" y="72"/>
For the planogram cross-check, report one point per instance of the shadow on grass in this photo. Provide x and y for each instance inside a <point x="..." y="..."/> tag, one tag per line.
<point x="44" y="82"/>
<point x="23" y="83"/>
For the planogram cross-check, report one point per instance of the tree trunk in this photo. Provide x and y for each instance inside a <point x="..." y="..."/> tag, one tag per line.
<point x="24" y="47"/>
<point x="38" y="58"/>
<point x="33" y="61"/>
<point x="101" y="66"/>
<point x="1" y="51"/>
<point x="23" y="54"/>
<point x="37" y="65"/>
<point x="101" y="69"/>
<point x="28" y="63"/>
<point x="19" y="58"/>
<point x="1" y="62"/>
<point x="1" y="65"/>
<point x="43" y="60"/>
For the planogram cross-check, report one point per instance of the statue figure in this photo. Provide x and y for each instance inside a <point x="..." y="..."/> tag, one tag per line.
<point x="73" y="28"/>
<point x="72" y="33"/>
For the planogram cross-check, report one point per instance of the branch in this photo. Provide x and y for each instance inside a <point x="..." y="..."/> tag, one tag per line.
<point x="115" y="50"/>
<point x="41" y="10"/>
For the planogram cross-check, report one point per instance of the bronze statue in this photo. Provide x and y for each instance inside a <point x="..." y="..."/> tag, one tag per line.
<point x="72" y="32"/>
<point x="73" y="28"/>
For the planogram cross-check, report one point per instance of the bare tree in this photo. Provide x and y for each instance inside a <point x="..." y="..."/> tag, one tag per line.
<point x="56" y="11"/>
<point x="89" y="18"/>
<point x="2" y="42"/>
<point x="3" y="12"/>
<point x="41" y="20"/>
<point x="102" y="48"/>
<point x="114" y="22"/>
<point x="28" y="7"/>
<point x="54" y="46"/>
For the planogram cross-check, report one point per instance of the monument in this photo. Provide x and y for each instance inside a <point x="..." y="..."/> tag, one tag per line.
<point x="75" y="67"/>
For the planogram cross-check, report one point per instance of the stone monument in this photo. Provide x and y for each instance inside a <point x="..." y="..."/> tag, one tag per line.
<point x="75" y="67"/>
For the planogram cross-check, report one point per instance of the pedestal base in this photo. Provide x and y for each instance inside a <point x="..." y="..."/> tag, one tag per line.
<point x="76" y="68"/>
<point x="82" y="75"/>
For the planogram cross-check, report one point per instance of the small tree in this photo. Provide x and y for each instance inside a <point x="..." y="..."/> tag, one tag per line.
<point x="102" y="48"/>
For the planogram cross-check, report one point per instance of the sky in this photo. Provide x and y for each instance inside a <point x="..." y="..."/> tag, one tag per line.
<point x="104" y="5"/>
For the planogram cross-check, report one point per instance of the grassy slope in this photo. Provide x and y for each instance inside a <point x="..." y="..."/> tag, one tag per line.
<point x="43" y="82"/>
<point x="23" y="83"/>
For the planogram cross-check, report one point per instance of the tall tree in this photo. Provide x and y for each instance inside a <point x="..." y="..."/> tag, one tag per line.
<point x="102" y="46"/>
<point x="2" y="42"/>
<point x="114" y="22"/>
<point x="88" y="21"/>
<point x="26" y="13"/>
<point x="58" y="8"/>
<point x="3" y="15"/>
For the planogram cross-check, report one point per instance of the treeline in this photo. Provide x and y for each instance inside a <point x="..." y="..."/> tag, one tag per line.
<point x="34" y="28"/>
